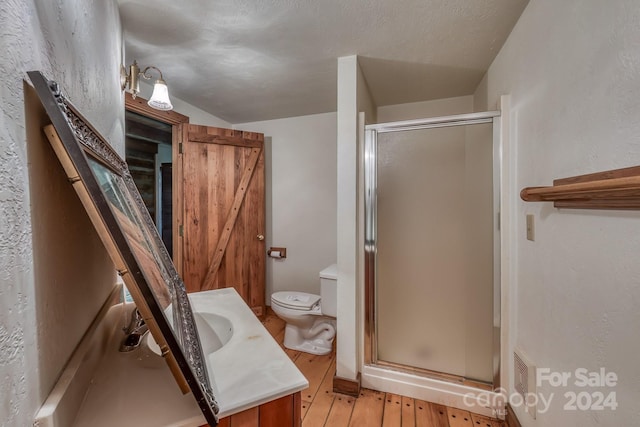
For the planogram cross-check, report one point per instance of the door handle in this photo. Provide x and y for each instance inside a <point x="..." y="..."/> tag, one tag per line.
<point x="260" y="237"/>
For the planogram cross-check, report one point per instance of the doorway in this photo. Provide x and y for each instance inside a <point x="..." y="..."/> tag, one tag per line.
<point x="148" y="156"/>
<point x="208" y="201"/>
<point x="223" y="220"/>
<point x="432" y="247"/>
<point x="150" y="148"/>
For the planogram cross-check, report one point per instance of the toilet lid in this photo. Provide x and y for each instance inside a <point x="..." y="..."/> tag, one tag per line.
<point x="295" y="300"/>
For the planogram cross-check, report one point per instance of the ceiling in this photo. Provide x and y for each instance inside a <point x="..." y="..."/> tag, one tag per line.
<point x="250" y="60"/>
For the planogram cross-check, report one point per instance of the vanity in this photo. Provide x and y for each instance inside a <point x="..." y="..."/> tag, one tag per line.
<point x="254" y="381"/>
<point x="205" y="360"/>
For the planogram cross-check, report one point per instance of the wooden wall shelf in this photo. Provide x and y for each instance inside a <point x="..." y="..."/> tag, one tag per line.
<point x="614" y="189"/>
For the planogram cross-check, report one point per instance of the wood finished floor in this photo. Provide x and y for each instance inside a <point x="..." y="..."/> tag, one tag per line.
<point x="321" y="407"/>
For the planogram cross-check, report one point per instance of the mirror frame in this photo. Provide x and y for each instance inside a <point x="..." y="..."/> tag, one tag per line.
<point x="76" y="142"/>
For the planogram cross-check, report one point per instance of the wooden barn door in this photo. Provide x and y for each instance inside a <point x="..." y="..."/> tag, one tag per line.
<point x="222" y="225"/>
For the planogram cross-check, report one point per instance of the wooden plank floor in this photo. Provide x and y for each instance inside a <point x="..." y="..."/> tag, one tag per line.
<point x="321" y="407"/>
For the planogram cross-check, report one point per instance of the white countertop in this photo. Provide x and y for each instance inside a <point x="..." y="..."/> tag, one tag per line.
<point x="137" y="388"/>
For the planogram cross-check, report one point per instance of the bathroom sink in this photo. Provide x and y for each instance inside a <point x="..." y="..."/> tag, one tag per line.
<point x="246" y="367"/>
<point x="214" y="330"/>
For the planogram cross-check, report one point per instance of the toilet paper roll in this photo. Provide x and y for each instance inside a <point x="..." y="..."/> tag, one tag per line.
<point x="275" y="254"/>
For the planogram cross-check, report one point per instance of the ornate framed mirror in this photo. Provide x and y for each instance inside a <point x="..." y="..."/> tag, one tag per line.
<point x="103" y="182"/>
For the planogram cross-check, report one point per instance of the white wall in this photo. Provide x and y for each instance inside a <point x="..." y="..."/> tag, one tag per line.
<point x="347" y="322"/>
<point x="46" y="302"/>
<point x="573" y="71"/>
<point x="425" y="109"/>
<point x="301" y="176"/>
<point x="355" y="108"/>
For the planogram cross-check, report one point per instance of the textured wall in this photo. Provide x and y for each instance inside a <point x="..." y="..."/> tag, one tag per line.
<point x="573" y="71"/>
<point x="78" y="43"/>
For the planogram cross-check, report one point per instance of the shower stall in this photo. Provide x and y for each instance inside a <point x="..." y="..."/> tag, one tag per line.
<point x="432" y="249"/>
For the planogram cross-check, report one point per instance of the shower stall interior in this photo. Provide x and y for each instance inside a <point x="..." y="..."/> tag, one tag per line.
<point x="432" y="248"/>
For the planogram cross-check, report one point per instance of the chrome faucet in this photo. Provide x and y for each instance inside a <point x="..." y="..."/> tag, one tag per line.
<point x="134" y="332"/>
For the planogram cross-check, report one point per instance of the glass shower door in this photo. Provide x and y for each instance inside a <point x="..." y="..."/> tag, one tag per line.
<point x="435" y="250"/>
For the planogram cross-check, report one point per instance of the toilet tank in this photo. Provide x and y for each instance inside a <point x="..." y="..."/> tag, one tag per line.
<point x="329" y="290"/>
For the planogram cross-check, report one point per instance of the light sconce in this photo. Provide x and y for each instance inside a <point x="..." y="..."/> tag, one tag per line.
<point x="131" y="82"/>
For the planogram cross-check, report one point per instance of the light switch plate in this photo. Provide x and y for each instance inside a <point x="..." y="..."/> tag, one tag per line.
<point x="531" y="234"/>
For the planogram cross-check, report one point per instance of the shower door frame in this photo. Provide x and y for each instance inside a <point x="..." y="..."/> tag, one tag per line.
<point x="370" y="238"/>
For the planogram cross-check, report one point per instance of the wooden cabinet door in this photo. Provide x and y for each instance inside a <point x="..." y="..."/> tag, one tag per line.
<point x="222" y="221"/>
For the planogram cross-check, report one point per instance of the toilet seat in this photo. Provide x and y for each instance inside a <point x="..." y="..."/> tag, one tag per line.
<point x="299" y="301"/>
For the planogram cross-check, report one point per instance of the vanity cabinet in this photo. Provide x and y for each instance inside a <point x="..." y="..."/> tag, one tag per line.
<point x="283" y="412"/>
<point x="256" y="381"/>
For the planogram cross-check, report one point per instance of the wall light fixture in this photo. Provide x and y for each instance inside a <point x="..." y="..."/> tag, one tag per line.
<point x="131" y="82"/>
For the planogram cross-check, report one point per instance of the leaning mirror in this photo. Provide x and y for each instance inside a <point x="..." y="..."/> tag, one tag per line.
<point x="107" y="191"/>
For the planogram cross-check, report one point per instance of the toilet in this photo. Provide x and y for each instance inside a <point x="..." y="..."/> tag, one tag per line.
<point x="311" y="319"/>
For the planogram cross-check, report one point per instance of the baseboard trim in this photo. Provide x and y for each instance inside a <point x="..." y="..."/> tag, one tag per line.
<point x="511" y="419"/>
<point x="347" y="386"/>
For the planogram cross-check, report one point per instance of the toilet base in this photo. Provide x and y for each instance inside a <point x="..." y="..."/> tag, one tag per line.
<point x="320" y="344"/>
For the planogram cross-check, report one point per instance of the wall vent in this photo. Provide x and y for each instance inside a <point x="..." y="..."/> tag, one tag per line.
<point x="524" y="381"/>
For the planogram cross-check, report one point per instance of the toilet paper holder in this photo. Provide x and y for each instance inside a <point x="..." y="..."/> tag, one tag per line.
<point x="277" y="253"/>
